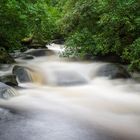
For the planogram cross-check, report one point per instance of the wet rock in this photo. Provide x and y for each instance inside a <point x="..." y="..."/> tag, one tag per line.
<point x="6" y="92"/>
<point x="5" y="58"/>
<point x="9" y="79"/>
<point x="28" y="74"/>
<point x="27" y="57"/>
<point x="39" y="52"/>
<point x="113" y="71"/>
<point x="22" y="74"/>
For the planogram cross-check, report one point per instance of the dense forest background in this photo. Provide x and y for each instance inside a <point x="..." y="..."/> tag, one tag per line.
<point x="89" y="27"/>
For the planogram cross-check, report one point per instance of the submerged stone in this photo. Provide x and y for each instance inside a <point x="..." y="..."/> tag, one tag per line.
<point x="7" y="92"/>
<point x="68" y="78"/>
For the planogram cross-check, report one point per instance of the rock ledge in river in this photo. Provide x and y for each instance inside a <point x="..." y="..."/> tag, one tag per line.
<point x="113" y="71"/>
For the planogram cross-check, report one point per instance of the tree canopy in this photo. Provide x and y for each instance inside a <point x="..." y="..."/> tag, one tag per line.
<point x="93" y="27"/>
<point x="26" y="18"/>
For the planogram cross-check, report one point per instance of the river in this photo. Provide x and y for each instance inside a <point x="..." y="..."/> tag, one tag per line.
<point x="67" y="101"/>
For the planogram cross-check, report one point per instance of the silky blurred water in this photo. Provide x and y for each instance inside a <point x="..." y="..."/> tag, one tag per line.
<point x="67" y="101"/>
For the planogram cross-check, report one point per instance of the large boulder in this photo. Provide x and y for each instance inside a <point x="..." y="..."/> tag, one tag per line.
<point x="6" y="92"/>
<point x="22" y="74"/>
<point x="28" y="74"/>
<point x="113" y="71"/>
<point x="9" y="79"/>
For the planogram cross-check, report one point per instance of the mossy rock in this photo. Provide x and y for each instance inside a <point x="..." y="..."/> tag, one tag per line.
<point x="31" y="43"/>
<point x="26" y="41"/>
<point x="5" y="58"/>
<point x="9" y="79"/>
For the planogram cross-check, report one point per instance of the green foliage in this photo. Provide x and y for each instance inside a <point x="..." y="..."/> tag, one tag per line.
<point x="43" y="21"/>
<point x="24" y="18"/>
<point x="117" y="25"/>
<point x="78" y="15"/>
<point x="93" y="27"/>
<point x="11" y="24"/>
<point x="132" y="54"/>
<point x="112" y="27"/>
<point x="80" y="44"/>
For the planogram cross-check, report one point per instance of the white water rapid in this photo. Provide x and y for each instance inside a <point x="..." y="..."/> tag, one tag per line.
<point x="67" y="101"/>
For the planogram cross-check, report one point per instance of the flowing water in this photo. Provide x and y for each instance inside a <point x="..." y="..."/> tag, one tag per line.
<point x="65" y="100"/>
